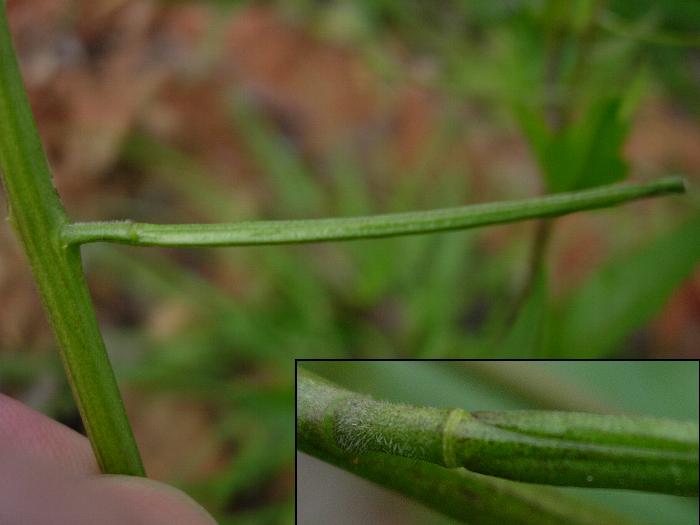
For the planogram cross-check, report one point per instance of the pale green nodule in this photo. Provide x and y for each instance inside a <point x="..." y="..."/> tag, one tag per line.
<point x="555" y="448"/>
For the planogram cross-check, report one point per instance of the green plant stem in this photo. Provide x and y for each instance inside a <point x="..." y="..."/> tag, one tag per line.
<point x="536" y="264"/>
<point x="560" y="116"/>
<point x="555" y="448"/>
<point x="468" y="496"/>
<point x="320" y="230"/>
<point x="37" y="216"/>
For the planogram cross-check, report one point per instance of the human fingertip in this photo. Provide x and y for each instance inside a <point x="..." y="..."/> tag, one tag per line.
<point x="156" y="503"/>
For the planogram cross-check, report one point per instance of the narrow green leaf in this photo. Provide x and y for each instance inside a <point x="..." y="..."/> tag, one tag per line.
<point x="536" y="132"/>
<point x="588" y="153"/>
<point x="295" y="189"/>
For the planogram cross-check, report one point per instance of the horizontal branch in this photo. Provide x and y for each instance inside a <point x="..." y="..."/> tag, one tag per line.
<point x="387" y="225"/>
<point x="555" y="448"/>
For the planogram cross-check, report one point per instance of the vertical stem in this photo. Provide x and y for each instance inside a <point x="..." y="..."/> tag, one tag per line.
<point x="554" y="11"/>
<point x="559" y="114"/>
<point x="37" y="215"/>
<point x="538" y="252"/>
<point x="556" y="114"/>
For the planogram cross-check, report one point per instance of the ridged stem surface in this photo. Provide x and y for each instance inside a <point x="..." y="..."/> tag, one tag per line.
<point x="37" y="216"/>
<point x="468" y="496"/>
<point x="549" y="447"/>
<point x="374" y="226"/>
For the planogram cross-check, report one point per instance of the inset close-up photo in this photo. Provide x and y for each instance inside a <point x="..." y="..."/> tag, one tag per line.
<point x="522" y="442"/>
<point x="194" y="194"/>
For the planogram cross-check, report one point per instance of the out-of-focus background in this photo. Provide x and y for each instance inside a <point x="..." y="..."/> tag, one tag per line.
<point x="184" y="111"/>
<point x="666" y="389"/>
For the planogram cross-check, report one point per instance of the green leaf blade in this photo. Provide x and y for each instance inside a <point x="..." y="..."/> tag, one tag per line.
<point x="625" y="294"/>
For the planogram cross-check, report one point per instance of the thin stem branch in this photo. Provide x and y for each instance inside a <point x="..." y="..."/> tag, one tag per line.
<point x="554" y="448"/>
<point x="468" y="496"/>
<point x="338" y="229"/>
<point x="37" y="216"/>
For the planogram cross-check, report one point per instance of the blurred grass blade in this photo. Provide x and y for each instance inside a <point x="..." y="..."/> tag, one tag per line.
<point x="625" y="294"/>
<point x="533" y="381"/>
<point x="296" y="191"/>
<point x="527" y="336"/>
